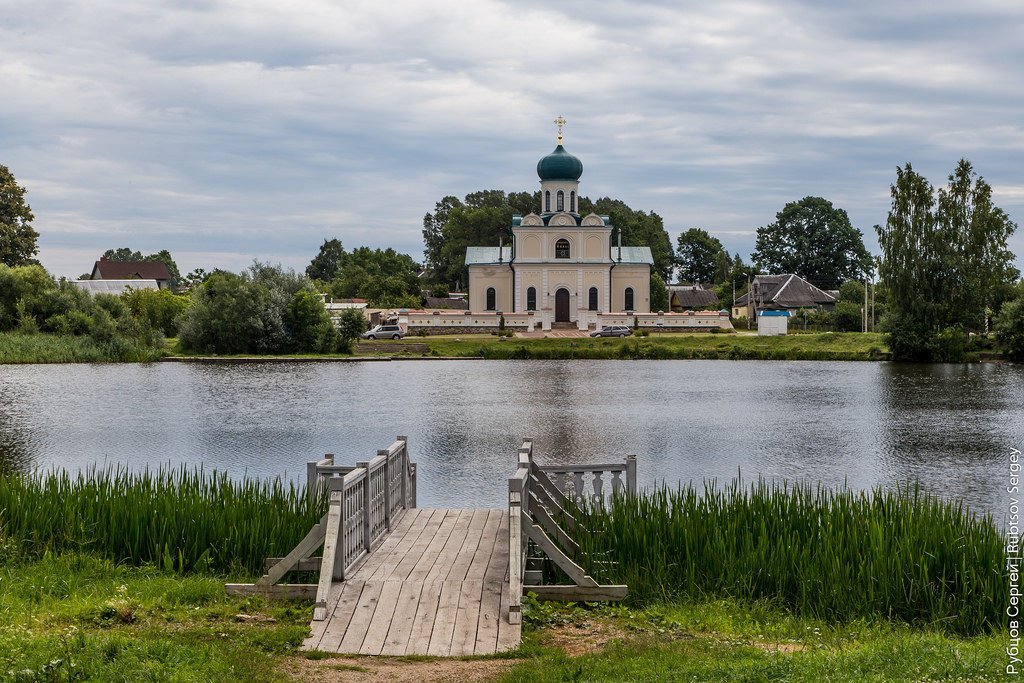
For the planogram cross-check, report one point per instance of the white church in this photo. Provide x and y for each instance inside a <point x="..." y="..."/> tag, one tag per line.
<point x="560" y="264"/>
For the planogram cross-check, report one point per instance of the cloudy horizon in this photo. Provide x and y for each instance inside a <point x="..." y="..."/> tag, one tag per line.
<point x="227" y="131"/>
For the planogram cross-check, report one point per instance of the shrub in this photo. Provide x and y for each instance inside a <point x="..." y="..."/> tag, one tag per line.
<point x="847" y="317"/>
<point x="1009" y="327"/>
<point x="309" y="324"/>
<point x="162" y="308"/>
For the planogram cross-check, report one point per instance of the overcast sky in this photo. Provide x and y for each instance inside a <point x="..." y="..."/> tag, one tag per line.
<point x="231" y="130"/>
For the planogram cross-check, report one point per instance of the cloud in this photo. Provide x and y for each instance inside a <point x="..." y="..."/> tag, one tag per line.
<point x="226" y="130"/>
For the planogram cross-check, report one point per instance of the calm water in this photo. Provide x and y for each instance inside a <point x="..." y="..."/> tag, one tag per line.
<point x="950" y="426"/>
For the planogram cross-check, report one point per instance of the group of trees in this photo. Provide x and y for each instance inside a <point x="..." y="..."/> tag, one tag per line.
<point x="945" y="263"/>
<point x="384" y="277"/>
<point x="17" y="236"/>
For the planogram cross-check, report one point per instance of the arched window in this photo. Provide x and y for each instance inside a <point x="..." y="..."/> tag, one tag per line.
<point x="531" y="299"/>
<point x="562" y="249"/>
<point x="560" y="199"/>
<point x="572" y="201"/>
<point x="629" y="298"/>
<point x="593" y="298"/>
<point x="491" y="296"/>
<point x="547" y="201"/>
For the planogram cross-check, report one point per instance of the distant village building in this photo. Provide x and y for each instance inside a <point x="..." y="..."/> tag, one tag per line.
<point x="692" y="298"/>
<point x="772" y="323"/>
<point x="781" y="293"/>
<point x="560" y="264"/>
<point x="114" y="286"/>
<point x="132" y="270"/>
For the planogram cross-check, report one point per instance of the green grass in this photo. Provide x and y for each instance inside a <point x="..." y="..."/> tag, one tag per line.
<point x="176" y="518"/>
<point x="840" y="346"/>
<point x="50" y="348"/>
<point x="828" y="554"/>
<point x="75" y="616"/>
<point x="752" y="642"/>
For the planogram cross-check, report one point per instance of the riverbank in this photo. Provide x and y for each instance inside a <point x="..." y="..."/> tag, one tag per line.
<point x="19" y="348"/>
<point x="75" y="617"/>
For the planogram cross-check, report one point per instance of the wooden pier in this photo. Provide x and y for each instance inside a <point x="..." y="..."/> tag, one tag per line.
<point x="400" y="580"/>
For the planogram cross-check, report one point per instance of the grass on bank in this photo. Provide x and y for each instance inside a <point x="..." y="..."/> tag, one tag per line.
<point x="16" y="347"/>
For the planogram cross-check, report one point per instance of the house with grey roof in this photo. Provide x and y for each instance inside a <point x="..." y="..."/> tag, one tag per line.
<point x="781" y="293"/>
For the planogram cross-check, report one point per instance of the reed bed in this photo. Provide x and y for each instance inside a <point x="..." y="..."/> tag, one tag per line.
<point x="830" y="554"/>
<point x="178" y="518"/>
<point x="49" y="348"/>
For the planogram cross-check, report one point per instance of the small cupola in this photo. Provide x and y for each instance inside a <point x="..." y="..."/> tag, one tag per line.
<point x="559" y="174"/>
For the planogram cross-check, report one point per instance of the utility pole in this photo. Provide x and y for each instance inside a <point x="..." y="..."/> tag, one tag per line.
<point x="865" y="316"/>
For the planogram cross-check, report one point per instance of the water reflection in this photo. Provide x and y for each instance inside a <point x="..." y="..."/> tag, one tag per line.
<point x="859" y="423"/>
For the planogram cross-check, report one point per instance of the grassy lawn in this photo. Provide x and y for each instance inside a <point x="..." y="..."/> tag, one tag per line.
<point x="75" y="617"/>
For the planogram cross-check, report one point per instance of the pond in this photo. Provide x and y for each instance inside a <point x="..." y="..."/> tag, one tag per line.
<point x="951" y="427"/>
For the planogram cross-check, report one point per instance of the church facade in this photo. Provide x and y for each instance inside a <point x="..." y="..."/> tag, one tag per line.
<point x="560" y="265"/>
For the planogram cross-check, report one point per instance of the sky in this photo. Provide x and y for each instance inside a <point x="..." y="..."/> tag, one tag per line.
<point x="228" y="131"/>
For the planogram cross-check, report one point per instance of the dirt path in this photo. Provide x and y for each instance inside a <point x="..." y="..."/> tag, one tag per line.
<point x="396" y="670"/>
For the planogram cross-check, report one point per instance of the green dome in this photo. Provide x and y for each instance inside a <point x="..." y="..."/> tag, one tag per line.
<point x="559" y="165"/>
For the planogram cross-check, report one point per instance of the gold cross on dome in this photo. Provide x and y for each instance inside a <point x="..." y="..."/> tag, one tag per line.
<point x="560" y="122"/>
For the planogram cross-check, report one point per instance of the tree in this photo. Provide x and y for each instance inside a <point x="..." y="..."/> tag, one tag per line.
<point x="325" y="264"/>
<point x="701" y="258"/>
<point x="944" y="260"/>
<point x="309" y="325"/>
<point x="814" y="240"/>
<point x="384" y="277"/>
<point x="17" y="236"/>
<point x="639" y="229"/>
<point x="1010" y="329"/>
<point x="659" y="294"/>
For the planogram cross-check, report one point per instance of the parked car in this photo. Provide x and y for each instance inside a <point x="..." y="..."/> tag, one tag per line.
<point x="384" y="332"/>
<point x="613" y="331"/>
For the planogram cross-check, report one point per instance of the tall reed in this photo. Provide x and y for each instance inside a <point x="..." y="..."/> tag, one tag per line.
<point x="831" y="554"/>
<point x="179" y="518"/>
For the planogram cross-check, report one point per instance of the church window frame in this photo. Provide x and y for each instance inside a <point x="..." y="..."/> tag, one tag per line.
<point x="592" y="299"/>
<point x="560" y="201"/>
<point x="572" y="201"/>
<point x="563" y="249"/>
<point x="531" y="299"/>
<point x="629" y="299"/>
<point x="547" y="201"/>
<point x="492" y="299"/>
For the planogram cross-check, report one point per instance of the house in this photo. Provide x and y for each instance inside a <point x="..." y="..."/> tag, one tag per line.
<point x="781" y="293"/>
<point x="561" y="266"/>
<point x="692" y="298"/>
<point x="132" y="270"/>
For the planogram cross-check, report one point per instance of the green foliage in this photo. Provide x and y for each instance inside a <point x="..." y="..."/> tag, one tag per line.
<point x="659" y="294"/>
<point x="440" y="291"/>
<point x="701" y="258"/>
<point x="815" y="240"/>
<point x="831" y="554"/>
<point x="27" y="346"/>
<point x="848" y="317"/>
<point x="18" y="239"/>
<point x="325" y="265"/>
<point x="181" y="519"/>
<point x="353" y="323"/>
<point x="16" y="284"/>
<point x="638" y="228"/>
<point x="1010" y="328"/>
<point x="945" y="261"/>
<point x="309" y="325"/>
<point x="162" y="308"/>
<point x="384" y="277"/>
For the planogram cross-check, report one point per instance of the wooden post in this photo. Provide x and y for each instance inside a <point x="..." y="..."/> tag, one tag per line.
<point x="366" y="505"/>
<point x="515" y="546"/>
<point x="313" y="476"/>
<point x="405" y="470"/>
<point x="387" y="488"/>
<point x="631" y="474"/>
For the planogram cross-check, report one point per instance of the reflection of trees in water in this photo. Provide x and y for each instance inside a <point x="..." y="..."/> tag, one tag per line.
<point x="15" y="438"/>
<point x="951" y="427"/>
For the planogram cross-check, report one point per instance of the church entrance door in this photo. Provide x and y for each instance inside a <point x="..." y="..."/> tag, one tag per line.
<point x="562" y="306"/>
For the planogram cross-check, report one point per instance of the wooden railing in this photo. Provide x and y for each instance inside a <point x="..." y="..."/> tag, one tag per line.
<point x="539" y="516"/>
<point x="364" y="503"/>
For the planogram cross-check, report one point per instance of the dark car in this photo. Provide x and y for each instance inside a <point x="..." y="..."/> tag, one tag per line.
<point x="384" y="332"/>
<point x="612" y="331"/>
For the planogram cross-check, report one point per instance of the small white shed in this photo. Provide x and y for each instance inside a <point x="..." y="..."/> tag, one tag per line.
<point x="772" y="323"/>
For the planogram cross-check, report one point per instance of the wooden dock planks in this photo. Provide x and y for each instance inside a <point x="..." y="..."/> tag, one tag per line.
<point x="437" y="585"/>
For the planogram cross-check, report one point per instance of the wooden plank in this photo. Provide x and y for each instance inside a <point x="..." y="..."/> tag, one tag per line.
<point x="450" y="551"/>
<point x="580" y="593"/>
<point x="318" y="628"/>
<point x="445" y="536"/>
<point x="552" y="528"/>
<point x="471" y="543"/>
<point x="397" y="545"/>
<point x="331" y="542"/>
<point x="467" y="618"/>
<point x="490" y="611"/>
<point x="573" y="570"/>
<point x="341" y="616"/>
<point x="444" y="621"/>
<point x="286" y="591"/>
<point x="423" y="623"/>
<point x="307" y="545"/>
<point x="430" y="529"/>
<point x="509" y="634"/>
<point x="481" y="559"/>
<point x="380" y="623"/>
<point x="361" y="618"/>
<point x="405" y="615"/>
<point x="306" y="564"/>
<point x="497" y="563"/>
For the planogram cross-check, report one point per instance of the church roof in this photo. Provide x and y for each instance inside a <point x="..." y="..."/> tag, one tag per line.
<point x="633" y="255"/>
<point x="482" y="255"/>
<point x="559" y="165"/>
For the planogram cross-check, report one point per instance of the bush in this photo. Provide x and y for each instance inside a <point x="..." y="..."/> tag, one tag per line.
<point x="309" y="325"/>
<point x="162" y="308"/>
<point x="353" y="323"/>
<point x="1009" y="327"/>
<point x="847" y="317"/>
